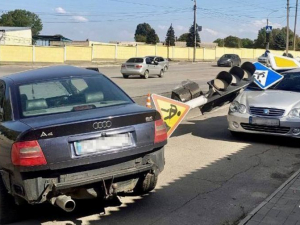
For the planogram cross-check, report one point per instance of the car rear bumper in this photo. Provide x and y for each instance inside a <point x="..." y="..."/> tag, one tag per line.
<point x="133" y="71"/>
<point x="242" y="120"/>
<point x="35" y="187"/>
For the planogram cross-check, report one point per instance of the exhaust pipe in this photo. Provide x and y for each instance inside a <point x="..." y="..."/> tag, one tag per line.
<point x="64" y="202"/>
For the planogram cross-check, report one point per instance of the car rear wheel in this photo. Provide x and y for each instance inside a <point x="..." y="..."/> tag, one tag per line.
<point x="8" y="209"/>
<point x="146" y="183"/>
<point x="125" y="76"/>
<point x="146" y="74"/>
<point x="161" y="74"/>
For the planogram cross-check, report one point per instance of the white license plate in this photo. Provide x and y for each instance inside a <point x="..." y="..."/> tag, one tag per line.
<point x="102" y="144"/>
<point x="264" y="121"/>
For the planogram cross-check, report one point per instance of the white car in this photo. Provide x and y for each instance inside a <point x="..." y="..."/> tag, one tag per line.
<point x="275" y="111"/>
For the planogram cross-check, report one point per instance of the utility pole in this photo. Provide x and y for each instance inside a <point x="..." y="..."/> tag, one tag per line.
<point x="295" y="25"/>
<point x="195" y="30"/>
<point x="268" y="36"/>
<point x="287" y="27"/>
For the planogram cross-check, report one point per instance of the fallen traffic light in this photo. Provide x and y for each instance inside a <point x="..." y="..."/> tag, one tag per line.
<point x="223" y="89"/>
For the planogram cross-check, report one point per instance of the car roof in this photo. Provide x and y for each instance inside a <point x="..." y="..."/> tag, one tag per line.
<point x="154" y="56"/>
<point x="52" y="72"/>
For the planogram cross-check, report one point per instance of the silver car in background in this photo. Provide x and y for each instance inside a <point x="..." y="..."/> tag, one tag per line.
<point x="142" y="66"/>
<point x="275" y="111"/>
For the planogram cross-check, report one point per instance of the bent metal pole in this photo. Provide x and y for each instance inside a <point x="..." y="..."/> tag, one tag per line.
<point x="197" y="102"/>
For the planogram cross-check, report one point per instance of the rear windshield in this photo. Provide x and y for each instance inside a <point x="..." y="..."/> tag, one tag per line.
<point x="69" y="95"/>
<point x="135" y="60"/>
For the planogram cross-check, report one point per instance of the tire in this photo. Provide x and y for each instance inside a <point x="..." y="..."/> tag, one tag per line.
<point x="146" y="74"/>
<point x="125" y="76"/>
<point x="146" y="183"/>
<point x="161" y="74"/>
<point x="9" y="211"/>
<point x="166" y="69"/>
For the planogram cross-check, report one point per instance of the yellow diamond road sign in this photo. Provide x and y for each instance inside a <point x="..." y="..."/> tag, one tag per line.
<point x="171" y="111"/>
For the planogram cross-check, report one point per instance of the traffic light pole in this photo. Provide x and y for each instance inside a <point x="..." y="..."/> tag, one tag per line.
<point x="195" y="30"/>
<point x="268" y="36"/>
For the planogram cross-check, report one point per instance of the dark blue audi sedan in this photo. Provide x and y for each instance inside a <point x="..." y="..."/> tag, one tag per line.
<point x="68" y="133"/>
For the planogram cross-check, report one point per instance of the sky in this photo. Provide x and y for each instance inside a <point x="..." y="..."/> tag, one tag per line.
<point x="116" y="20"/>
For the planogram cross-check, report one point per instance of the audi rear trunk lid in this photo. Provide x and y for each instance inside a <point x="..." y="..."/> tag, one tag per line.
<point x="59" y="134"/>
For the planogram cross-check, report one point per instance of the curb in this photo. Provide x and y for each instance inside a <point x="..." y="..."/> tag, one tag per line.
<point x="254" y="211"/>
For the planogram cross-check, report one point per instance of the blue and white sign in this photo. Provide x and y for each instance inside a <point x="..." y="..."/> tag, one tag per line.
<point x="269" y="29"/>
<point x="265" y="77"/>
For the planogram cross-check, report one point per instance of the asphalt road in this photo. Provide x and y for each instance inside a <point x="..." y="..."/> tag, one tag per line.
<point x="136" y="86"/>
<point x="210" y="177"/>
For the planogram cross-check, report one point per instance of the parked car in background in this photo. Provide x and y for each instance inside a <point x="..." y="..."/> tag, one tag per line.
<point x="69" y="133"/>
<point x="229" y="60"/>
<point x="275" y="111"/>
<point x="161" y="61"/>
<point x="288" y="55"/>
<point x="143" y="66"/>
<point x="264" y="57"/>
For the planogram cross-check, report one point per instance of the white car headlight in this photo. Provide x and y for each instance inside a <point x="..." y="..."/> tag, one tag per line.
<point x="237" y="107"/>
<point x="295" y="113"/>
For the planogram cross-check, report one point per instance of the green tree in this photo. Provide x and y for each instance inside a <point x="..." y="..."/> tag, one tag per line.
<point x="220" y="42"/>
<point x="22" y="18"/>
<point x="279" y="41"/>
<point x="260" y="42"/>
<point x="190" y="41"/>
<point x="170" y="38"/>
<point x="183" y="37"/>
<point x="142" y="31"/>
<point x="232" y="42"/>
<point x="152" y="37"/>
<point x="247" y="43"/>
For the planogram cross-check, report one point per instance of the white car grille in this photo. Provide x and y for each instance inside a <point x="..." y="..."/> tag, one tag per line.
<point x="260" y="111"/>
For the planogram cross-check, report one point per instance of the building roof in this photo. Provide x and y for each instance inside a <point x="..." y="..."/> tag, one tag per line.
<point x="51" y="38"/>
<point x="14" y="28"/>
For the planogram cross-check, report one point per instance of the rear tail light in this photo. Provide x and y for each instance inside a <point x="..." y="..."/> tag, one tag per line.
<point x="160" y="131"/>
<point x="138" y="66"/>
<point x="27" y="153"/>
<point x="123" y="66"/>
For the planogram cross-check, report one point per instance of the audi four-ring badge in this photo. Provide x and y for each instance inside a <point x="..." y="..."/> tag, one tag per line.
<point x="275" y="111"/>
<point x="69" y="133"/>
<point x="102" y="124"/>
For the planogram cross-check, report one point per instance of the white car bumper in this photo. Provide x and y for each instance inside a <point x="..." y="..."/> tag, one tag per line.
<point x="238" y="122"/>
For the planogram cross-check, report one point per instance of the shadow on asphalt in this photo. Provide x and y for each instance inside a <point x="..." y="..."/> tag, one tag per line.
<point x="221" y="192"/>
<point x="197" y="128"/>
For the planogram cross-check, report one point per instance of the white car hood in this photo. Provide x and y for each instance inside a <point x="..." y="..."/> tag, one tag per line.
<point x="270" y="99"/>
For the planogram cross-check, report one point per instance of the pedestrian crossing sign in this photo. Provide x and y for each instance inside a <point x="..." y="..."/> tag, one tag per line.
<point x="265" y="77"/>
<point x="268" y="29"/>
<point x="171" y="111"/>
